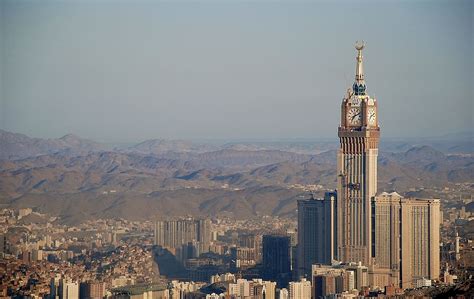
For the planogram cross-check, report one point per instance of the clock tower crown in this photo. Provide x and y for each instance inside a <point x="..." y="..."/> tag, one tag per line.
<point x="359" y="110"/>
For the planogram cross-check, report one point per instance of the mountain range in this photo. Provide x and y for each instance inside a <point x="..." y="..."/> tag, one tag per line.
<point x="78" y="179"/>
<point x="18" y="146"/>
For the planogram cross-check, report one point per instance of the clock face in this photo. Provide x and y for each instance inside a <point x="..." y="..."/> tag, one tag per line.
<point x="353" y="116"/>
<point x="355" y="101"/>
<point x="371" y="116"/>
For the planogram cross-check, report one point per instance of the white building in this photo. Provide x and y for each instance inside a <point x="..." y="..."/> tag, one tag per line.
<point x="223" y="278"/>
<point x="244" y="288"/>
<point x="423" y="282"/>
<point x="240" y="288"/>
<point x="300" y="289"/>
<point x="181" y="288"/>
<point x="68" y="289"/>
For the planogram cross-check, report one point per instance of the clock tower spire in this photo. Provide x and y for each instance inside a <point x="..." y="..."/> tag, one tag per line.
<point x="359" y="84"/>
<point x="357" y="170"/>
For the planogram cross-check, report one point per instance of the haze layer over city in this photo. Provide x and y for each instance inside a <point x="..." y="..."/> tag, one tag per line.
<point x="236" y="149"/>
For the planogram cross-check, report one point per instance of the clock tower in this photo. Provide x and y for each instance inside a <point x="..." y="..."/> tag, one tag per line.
<point x="359" y="135"/>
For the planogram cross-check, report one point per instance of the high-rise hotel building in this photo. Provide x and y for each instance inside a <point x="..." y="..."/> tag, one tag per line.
<point x="357" y="170"/>
<point x="419" y="241"/>
<point x="406" y="245"/>
<point x="397" y="239"/>
<point x="386" y="235"/>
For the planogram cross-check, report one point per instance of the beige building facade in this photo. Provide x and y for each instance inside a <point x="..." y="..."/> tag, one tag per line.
<point x="406" y="240"/>
<point x="419" y="240"/>
<point x="385" y="270"/>
<point x="357" y="170"/>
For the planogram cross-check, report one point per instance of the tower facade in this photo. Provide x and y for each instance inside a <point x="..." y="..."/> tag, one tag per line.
<point x="386" y="248"/>
<point x="406" y="245"/>
<point x="276" y="259"/>
<point x="419" y="241"/>
<point x="316" y="232"/>
<point x="359" y="135"/>
<point x="174" y="233"/>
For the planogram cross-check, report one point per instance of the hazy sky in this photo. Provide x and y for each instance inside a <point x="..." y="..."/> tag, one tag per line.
<point x="121" y="71"/>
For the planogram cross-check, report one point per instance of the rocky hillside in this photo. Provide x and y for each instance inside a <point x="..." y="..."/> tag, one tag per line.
<point x="76" y="179"/>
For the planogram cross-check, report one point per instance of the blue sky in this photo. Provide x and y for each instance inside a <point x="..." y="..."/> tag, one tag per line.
<point x="123" y="71"/>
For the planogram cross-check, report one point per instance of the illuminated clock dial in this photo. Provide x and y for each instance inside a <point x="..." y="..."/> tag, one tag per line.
<point x="371" y="116"/>
<point x="353" y="116"/>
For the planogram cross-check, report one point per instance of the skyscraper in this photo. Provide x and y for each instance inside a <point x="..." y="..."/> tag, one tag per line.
<point x="316" y="232"/>
<point x="396" y="238"/>
<point x="386" y="241"/>
<point x="174" y="233"/>
<point x="276" y="259"/>
<point x="419" y="240"/>
<point x="357" y="170"/>
<point x="406" y="243"/>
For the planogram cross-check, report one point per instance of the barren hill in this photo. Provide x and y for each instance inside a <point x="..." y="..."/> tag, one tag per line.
<point x="87" y="181"/>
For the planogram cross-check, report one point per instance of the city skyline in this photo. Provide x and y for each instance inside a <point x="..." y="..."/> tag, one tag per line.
<point x="199" y="72"/>
<point x="268" y="218"/>
<point x="359" y="221"/>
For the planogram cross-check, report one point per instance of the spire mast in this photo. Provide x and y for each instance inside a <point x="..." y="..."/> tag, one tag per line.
<point x="359" y="84"/>
<point x="359" y="68"/>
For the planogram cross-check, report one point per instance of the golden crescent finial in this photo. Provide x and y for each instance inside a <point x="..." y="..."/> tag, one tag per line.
<point x="359" y="45"/>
